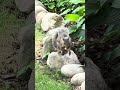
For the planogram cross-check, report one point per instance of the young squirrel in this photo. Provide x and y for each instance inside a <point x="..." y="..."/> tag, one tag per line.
<point x="62" y="41"/>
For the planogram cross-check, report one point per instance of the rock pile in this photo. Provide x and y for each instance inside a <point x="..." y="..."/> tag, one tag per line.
<point x="57" y="45"/>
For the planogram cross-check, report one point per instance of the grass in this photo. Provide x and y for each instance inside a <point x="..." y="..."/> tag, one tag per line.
<point x="39" y="35"/>
<point x="49" y="80"/>
<point x="45" y="79"/>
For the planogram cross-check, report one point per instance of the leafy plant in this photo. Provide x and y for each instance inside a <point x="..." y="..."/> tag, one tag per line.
<point x="105" y="13"/>
<point x="74" y="13"/>
<point x="77" y="20"/>
<point x="56" y="5"/>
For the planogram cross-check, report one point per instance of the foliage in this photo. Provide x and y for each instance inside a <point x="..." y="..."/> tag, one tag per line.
<point x="106" y="13"/>
<point x="74" y="13"/>
<point x="56" y="5"/>
<point x="77" y="20"/>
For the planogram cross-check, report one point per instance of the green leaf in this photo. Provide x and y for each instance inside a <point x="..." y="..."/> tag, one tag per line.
<point x="109" y="29"/>
<point x="51" y="5"/>
<point x="115" y="53"/>
<point x="79" y="10"/>
<point x="76" y="10"/>
<point x="72" y="29"/>
<point x="106" y="56"/>
<point x="92" y="7"/>
<point x="102" y="2"/>
<point x="77" y="1"/>
<point x="82" y="11"/>
<point x="65" y="12"/>
<point x="21" y="71"/>
<point x="112" y="36"/>
<point x="79" y="23"/>
<point x="31" y="65"/>
<point x="116" y="4"/>
<point x="83" y="26"/>
<point x="112" y="32"/>
<point x="109" y="56"/>
<point x="98" y="18"/>
<point x="72" y="17"/>
<point x="113" y="16"/>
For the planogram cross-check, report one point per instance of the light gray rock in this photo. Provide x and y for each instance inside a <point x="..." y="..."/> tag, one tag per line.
<point x="93" y="77"/>
<point x="38" y="3"/>
<point x="54" y="61"/>
<point x="39" y="9"/>
<point x="25" y="5"/>
<point x="51" y="21"/>
<point x="40" y="16"/>
<point x="70" y="59"/>
<point x="70" y="70"/>
<point x="78" y="78"/>
<point x="83" y="86"/>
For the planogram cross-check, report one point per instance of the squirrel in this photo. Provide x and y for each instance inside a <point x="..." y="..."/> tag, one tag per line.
<point x="62" y="41"/>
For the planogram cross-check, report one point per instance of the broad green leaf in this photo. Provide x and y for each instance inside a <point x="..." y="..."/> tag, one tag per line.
<point x="21" y="71"/>
<point x="79" y="23"/>
<point x="51" y="5"/>
<point x="113" y="16"/>
<point x="112" y="36"/>
<point x="99" y="18"/>
<point x="102" y="2"/>
<point x="82" y="11"/>
<point x="72" y="29"/>
<point x="72" y="17"/>
<point x="115" y="53"/>
<point x="79" y="10"/>
<point x="65" y="12"/>
<point x="31" y="65"/>
<point x="112" y="33"/>
<point x="110" y="28"/>
<point x="79" y="32"/>
<point x="76" y="10"/>
<point x="82" y="34"/>
<point x="106" y="56"/>
<point x="83" y="26"/>
<point x="77" y="1"/>
<point x="116" y="3"/>
<point x="92" y="7"/>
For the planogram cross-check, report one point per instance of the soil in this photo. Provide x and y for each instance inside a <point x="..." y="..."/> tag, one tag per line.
<point x="38" y="49"/>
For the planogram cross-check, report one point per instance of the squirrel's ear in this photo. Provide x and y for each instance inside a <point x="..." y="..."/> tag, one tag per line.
<point x="56" y="36"/>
